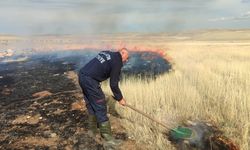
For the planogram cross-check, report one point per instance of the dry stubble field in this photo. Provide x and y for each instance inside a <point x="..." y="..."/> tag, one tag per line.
<point x="210" y="82"/>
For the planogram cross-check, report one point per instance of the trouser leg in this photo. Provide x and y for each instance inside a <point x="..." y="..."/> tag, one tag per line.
<point x="94" y="98"/>
<point x="97" y="104"/>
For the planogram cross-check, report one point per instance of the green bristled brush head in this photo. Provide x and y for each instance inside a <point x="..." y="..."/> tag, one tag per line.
<point x="181" y="133"/>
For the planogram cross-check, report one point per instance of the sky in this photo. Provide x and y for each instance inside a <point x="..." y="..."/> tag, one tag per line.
<point x="117" y="16"/>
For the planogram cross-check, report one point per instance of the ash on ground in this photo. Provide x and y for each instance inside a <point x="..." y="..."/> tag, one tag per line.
<point x="44" y="122"/>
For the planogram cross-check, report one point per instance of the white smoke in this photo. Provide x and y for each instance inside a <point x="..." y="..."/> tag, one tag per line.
<point x="110" y="16"/>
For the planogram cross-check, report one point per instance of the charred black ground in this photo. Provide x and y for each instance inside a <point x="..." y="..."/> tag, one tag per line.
<point x="53" y="117"/>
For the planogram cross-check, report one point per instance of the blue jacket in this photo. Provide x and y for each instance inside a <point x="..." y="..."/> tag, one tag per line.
<point x="106" y="65"/>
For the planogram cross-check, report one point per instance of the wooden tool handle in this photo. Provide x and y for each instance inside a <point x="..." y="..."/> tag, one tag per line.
<point x="148" y="116"/>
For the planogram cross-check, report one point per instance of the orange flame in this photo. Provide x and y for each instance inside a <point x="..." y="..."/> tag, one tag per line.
<point x="70" y="43"/>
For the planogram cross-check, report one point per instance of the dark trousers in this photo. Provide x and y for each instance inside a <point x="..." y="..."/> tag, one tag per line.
<point x="94" y="98"/>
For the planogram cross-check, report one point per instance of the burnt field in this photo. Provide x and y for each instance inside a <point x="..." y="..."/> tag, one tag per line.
<point x="37" y="98"/>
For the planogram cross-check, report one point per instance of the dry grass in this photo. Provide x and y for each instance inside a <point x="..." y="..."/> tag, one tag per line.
<point x="211" y="82"/>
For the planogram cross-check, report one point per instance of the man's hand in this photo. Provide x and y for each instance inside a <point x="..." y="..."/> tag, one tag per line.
<point x="122" y="102"/>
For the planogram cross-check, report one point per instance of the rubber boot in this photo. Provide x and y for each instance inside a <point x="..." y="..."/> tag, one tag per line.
<point x="105" y="129"/>
<point x="92" y="126"/>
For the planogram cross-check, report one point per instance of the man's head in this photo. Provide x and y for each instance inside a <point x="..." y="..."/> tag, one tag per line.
<point x="124" y="53"/>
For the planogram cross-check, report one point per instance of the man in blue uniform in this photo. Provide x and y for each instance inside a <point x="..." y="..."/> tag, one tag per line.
<point x="106" y="64"/>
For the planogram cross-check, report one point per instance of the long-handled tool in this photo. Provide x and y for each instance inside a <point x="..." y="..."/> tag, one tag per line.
<point x="177" y="133"/>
